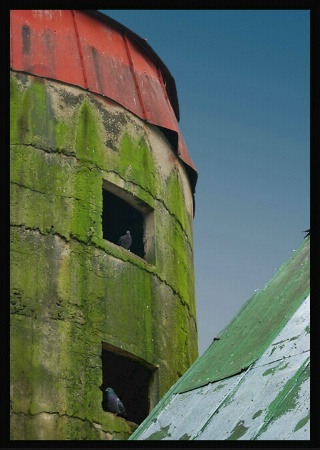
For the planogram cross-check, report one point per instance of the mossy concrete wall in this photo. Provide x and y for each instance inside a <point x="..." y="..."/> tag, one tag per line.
<point x="71" y="290"/>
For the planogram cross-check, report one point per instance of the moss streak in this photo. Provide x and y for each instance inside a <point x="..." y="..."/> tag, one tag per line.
<point x="70" y="289"/>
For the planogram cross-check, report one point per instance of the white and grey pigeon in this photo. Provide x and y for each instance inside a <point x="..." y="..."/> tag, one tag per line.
<point x="125" y="241"/>
<point x="113" y="403"/>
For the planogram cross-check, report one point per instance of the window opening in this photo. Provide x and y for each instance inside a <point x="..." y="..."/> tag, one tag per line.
<point x="121" y="212"/>
<point x="131" y="378"/>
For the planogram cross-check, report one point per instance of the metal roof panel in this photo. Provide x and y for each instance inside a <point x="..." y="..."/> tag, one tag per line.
<point x="258" y="406"/>
<point x="89" y="49"/>
<point x="187" y="413"/>
<point x="269" y="401"/>
<point x="256" y="326"/>
<point x="107" y="63"/>
<point x="44" y="43"/>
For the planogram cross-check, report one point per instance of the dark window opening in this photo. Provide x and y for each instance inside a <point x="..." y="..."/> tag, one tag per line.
<point x="131" y="379"/>
<point x="118" y="217"/>
<point x="122" y="211"/>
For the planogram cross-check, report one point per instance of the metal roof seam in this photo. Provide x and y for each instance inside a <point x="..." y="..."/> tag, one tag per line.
<point x="207" y="383"/>
<point x="176" y="424"/>
<point x="278" y="402"/>
<point x="280" y="360"/>
<point x="275" y="331"/>
<point x="249" y="343"/>
<point x="282" y="323"/>
<point x="143" y="108"/>
<point x="223" y="400"/>
<point x="143" y="44"/>
<point x="83" y="66"/>
<point x="262" y="349"/>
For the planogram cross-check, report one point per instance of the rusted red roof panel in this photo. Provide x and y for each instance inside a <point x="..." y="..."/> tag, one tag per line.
<point x="44" y="43"/>
<point x="91" y="50"/>
<point x="151" y="89"/>
<point x="106" y="62"/>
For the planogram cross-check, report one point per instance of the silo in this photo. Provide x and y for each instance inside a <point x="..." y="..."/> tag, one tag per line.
<point x="95" y="151"/>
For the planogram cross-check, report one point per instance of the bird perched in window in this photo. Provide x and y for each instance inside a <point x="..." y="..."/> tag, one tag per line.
<point x="113" y="403"/>
<point x="125" y="241"/>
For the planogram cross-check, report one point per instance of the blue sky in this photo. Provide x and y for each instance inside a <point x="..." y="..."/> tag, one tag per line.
<point x="243" y="82"/>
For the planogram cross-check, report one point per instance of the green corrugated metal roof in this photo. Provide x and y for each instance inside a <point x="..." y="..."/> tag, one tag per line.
<point x="268" y="401"/>
<point x="246" y="338"/>
<point x="249" y="334"/>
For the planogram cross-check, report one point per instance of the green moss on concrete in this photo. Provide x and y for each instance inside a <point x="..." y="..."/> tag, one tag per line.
<point x="62" y="370"/>
<point x="32" y="116"/>
<point x="175" y="259"/>
<point x="86" y="295"/>
<point x="43" y="172"/>
<point x="51" y="214"/>
<point x="51" y="193"/>
<point x="46" y="426"/>
<point x="20" y="362"/>
<point x="84" y="287"/>
<point x="176" y="200"/>
<point x="70" y="289"/>
<point x="30" y="273"/>
<point x="89" y="137"/>
<point x="135" y="156"/>
<point x="14" y="107"/>
<point x="86" y="217"/>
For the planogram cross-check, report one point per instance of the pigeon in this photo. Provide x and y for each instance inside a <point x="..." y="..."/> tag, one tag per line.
<point x="125" y="241"/>
<point x="308" y="232"/>
<point x="113" y="403"/>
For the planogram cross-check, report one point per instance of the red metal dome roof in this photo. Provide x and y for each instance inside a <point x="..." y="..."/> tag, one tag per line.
<point x="88" y="49"/>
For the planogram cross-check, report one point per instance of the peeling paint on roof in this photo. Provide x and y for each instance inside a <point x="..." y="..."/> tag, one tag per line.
<point x="267" y="396"/>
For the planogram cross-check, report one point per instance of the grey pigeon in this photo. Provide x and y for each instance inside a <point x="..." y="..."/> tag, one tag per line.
<point x="125" y="241"/>
<point x="113" y="403"/>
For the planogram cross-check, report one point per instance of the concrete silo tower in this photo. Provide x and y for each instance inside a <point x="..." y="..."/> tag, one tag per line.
<point x="95" y="151"/>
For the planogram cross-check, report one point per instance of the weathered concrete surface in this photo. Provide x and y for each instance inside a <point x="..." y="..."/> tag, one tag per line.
<point x="70" y="288"/>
